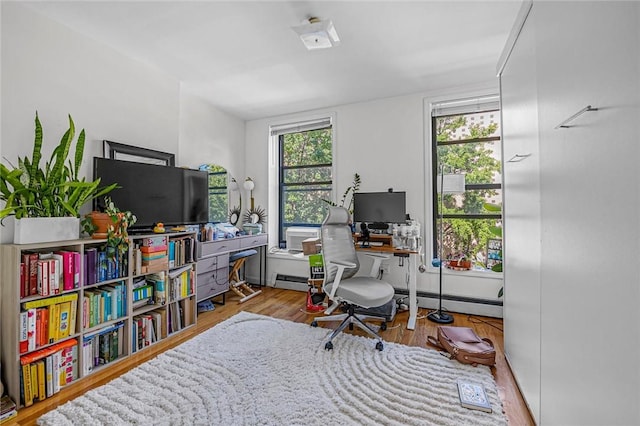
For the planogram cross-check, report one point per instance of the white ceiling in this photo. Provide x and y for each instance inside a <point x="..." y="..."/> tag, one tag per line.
<point x="244" y="58"/>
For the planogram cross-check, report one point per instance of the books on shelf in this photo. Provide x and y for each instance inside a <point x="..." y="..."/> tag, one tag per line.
<point x="8" y="409"/>
<point x="49" y="273"/>
<point x="473" y="396"/>
<point x="47" y="320"/>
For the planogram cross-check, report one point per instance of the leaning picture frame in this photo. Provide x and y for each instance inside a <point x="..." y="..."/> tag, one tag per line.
<point x="120" y="151"/>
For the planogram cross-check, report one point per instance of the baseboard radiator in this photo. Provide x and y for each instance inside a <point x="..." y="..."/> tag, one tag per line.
<point x="291" y="282"/>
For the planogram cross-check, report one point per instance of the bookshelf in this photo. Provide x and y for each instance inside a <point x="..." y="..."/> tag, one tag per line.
<point x="68" y="310"/>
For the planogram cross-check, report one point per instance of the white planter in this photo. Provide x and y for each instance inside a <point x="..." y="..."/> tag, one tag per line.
<point x="45" y="229"/>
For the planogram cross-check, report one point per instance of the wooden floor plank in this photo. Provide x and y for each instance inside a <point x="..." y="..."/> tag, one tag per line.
<point x="290" y="305"/>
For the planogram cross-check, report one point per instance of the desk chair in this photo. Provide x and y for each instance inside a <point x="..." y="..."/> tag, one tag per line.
<point x="237" y="285"/>
<point x="340" y="284"/>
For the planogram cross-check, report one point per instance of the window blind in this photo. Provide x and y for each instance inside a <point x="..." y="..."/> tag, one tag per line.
<point x="301" y="126"/>
<point x="465" y="106"/>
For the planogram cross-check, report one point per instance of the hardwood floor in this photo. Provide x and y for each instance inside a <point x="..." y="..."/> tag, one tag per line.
<point x="289" y="304"/>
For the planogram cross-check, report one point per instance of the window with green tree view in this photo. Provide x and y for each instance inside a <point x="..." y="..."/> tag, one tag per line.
<point x="466" y="139"/>
<point x="305" y="177"/>
<point x="218" y="195"/>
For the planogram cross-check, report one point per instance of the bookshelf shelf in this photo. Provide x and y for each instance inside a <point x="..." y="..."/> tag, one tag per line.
<point x="90" y="322"/>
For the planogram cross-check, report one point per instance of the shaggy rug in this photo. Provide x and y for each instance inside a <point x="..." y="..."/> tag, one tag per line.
<point x="256" y="370"/>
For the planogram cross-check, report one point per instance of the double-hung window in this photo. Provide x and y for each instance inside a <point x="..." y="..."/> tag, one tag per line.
<point x="304" y="173"/>
<point x="466" y="140"/>
<point x="218" y="196"/>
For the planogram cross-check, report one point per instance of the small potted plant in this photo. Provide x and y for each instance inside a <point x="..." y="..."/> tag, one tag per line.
<point x="46" y="201"/>
<point x="112" y="224"/>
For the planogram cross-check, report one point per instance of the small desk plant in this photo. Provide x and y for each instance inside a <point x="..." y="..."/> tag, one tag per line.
<point x="31" y="191"/>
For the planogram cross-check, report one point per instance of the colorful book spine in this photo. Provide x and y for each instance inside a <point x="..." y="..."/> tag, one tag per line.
<point x="44" y="352"/>
<point x="50" y="301"/>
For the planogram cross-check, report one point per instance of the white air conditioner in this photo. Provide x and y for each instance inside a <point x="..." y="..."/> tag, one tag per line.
<point x="295" y="235"/>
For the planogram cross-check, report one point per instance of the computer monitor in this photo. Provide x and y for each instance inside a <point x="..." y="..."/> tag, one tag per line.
<point x="379" y="207"/>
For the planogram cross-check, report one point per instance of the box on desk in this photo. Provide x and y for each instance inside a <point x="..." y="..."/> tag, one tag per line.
<point x="311" y="246"/>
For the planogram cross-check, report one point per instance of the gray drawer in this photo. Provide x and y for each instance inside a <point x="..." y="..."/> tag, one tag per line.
<point x="212" y="263"/>
<point x="212" y="283"/>
<point x="209" y="248"/>
<point x="254" y="241"/>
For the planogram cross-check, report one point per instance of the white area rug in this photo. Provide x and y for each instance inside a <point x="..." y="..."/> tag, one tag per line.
<point x="256" y="370"/>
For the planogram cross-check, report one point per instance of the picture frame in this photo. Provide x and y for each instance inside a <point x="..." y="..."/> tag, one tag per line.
<point x="120" y="151"/>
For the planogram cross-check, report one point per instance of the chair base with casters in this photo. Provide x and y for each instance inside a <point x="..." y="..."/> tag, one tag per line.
<point x="238" y="286"/>
<point x="350" y="319"/>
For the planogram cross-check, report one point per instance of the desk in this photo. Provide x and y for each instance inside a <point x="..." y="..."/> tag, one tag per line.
<point x="213" y="263"/>
<point x="413" y="259"/>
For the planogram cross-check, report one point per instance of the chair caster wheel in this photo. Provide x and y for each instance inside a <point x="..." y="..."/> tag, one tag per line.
<point x="329" y="346"/>
<point x="379" y="346"/>
<point x="314" y="323"/>
<point x="383" y="326"/>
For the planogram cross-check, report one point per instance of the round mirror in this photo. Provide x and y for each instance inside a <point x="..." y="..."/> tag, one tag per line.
<point x="234" y="215"/>
<point x="255" y="215"/>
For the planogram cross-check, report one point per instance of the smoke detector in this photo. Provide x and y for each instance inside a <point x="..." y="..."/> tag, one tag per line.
<point x="317" y="34"/>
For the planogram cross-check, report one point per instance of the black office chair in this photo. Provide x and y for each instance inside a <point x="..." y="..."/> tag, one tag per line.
<point x="341" y="286"/>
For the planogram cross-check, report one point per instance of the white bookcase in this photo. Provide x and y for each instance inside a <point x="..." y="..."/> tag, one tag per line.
<point x="106" y="324"/>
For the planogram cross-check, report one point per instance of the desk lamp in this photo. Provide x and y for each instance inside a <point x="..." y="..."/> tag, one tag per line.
<point x="449" y="184"/>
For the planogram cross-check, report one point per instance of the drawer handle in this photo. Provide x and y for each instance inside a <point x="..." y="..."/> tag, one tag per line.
<point x="565" y="123"/>
<point x="518" y="158"/>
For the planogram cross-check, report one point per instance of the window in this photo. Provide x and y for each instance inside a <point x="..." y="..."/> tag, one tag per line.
<point x="304" y="173"/>
<point x="218" y="195"/>
<point x="466" y="139"/>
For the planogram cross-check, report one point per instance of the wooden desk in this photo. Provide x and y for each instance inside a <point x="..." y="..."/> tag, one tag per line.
<point x="412" y="265"/>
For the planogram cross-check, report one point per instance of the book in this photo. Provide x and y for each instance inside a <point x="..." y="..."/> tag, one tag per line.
<point x="44" y="352"/>
<point x="7" y="405"/>
<point x="5" y="418"/>
<point x="77" y="260"/>
<point x="24" y="332"/>
<point x="64" y="320"/>
<point x="473" y="396"/>
<point x="27" y="394"/>
<point x="50" y="301"/>
<point x="91" y="266"/>
<point x="42" y="379"/>
<point x="154" y="249"/>
<point x="31" y="264"/>
<point x="67" y="259"/>
<point x="31" y="329"/>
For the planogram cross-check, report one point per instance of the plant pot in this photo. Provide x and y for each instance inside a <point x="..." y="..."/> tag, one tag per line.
<point x="31" y="230"/>
<point x="460" y="265"/>
<point x="101" y="221"/>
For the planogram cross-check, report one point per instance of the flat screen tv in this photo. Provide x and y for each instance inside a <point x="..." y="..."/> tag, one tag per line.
<point x="155" y="193"/>
<point x="379" y="207"/>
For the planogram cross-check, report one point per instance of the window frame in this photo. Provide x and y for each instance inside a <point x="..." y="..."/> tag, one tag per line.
<point x="436" y="217"/>
<point x="278" y="133"/>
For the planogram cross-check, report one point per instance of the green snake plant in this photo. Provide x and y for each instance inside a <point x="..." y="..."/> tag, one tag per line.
<point x="54" y="190"/>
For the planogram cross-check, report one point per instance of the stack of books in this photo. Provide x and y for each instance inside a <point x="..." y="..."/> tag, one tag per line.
<point x="7" y="409"/>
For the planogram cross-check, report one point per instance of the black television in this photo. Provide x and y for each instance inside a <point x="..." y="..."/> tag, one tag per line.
<point x="155" y="193"/>
<point x="379" y="207"/>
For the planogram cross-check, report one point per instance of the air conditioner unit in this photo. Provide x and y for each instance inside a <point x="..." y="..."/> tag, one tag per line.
<point x="295" y="235"/>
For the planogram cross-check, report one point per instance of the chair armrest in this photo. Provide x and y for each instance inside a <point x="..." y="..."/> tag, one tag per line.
<point x="342" y="265"/>
<point x="346" y="265"/>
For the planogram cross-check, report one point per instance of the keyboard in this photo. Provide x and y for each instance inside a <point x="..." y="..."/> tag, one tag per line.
<point x="372" y="243"/>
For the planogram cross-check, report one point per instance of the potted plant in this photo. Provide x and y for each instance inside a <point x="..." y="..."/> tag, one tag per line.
<point x="32" y="192"/>
<point x="112" y="224"/>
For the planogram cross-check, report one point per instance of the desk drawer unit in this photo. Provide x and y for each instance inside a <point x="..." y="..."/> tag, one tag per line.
<point x="253" y="241"/>
<point x="212" y="263"/>
<point x="212" y="283"/>
<point x="211" y="248"/>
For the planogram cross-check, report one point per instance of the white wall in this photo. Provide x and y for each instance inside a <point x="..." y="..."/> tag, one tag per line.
<point x="209" y="135"/>
<point x="384" y="141"/>
<point x="56" y="71"/>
